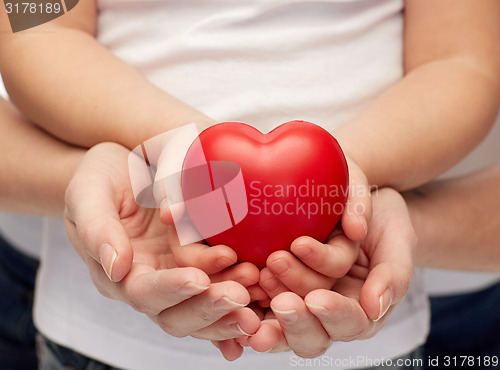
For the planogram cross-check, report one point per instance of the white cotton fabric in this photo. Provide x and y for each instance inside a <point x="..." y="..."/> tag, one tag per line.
<point x="22" y="232"/>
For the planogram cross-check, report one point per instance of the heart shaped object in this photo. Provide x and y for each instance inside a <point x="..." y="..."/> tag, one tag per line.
<point x="291" y="182"/>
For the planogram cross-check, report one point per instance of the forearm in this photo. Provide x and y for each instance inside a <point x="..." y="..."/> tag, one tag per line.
<point x="423" y="124"/>
<point x="35" y="168"/>
<point x="61" y="78"/>
<point x="445" y="103"/>
<point x="457" y="222"/>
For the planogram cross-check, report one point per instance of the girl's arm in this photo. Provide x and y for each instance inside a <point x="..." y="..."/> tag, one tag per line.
<point x="60" y="77"/>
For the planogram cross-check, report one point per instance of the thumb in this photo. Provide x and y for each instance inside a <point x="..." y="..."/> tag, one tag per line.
<point x="167" y="189"/>
<point x="92" y="218"/>
<point x="358" y="210"/>
<point x="391" y="255"/>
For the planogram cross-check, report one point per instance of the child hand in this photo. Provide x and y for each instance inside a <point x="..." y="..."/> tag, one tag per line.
<point x="359" y="303"/>
<point x="313" y="265"/>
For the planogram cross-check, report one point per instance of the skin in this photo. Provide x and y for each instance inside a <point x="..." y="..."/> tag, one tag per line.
<point x="451" y="84"/>
<point x="109" y="214"/>
<point x="360" y="300"/>
<point x="356" y="295"/>
<point x="38" y="187"/>
<point x="29" y="158"/>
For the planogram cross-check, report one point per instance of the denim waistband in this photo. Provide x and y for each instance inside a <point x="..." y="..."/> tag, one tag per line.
<point x="20" y="265"/>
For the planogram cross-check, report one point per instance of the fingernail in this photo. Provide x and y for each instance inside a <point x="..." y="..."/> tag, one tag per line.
<point x="317" y="309"/>
<point x="385" y="302"/>
<point x="269" y="350"/>
<point x="241" y="330"/>
<point x="288" y="317"/>
<point x="225" y="304"/>
<point x="192" y="288"/>
<point x="363" y="222"/>
<point x="107" y="255"/>
<point x="280" y="266"/>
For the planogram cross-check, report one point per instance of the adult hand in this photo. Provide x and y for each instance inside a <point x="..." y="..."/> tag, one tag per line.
<point x="358" y="210"/>
<point x="126" y="249"/>
<point x="359" y="303"/>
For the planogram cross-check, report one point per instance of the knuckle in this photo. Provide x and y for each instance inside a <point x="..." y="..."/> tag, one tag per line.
<point x="69" y="195"/>
<point x="169" y="328"/>
<point x="342" y="269"/>
<point x="138" y="306"/>
<point x="102" y="290"/>
<point x="205" y="314"/>
<point x="84" y="232"/>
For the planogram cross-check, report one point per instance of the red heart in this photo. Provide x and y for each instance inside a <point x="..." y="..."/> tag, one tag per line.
<point x="295" y="178"/>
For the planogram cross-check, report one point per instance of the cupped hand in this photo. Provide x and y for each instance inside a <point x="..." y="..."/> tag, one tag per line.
<point x="359" y="303"/>
<point x="126" y="249"/>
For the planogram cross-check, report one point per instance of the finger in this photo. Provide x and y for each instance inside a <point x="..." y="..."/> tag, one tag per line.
<point x="152" y="291"/>
<point x="296" y="276"/>
<point x="269" y="338"/>
<point x="270" y="283"/>
<point x="92" y="219"/>
<point x="341" y="317"/>
<point x="333" y="259"/>
<point x="246" y="273"/>
<point x="203" y="309"/>
<point x="389" y="279"/>
<point x="391" y="257"/>
<point x="257" y="293"/>
<point x="169" y="214"/>
<point x="358" y="210"/>
<point x="303" y="331"/>
<point x="265" y="303"/>
<point x="242" y="322"/>
<point x="206" y="258"/>
<point x="230" y="349"/>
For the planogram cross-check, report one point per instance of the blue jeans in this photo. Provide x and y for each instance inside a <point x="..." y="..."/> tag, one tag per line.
<point x="17" y="333"/>
<point x="55" y="357"/>
<point x="465" y="325"/>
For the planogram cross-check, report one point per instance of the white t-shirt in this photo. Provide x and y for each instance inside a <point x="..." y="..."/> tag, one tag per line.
<point x="23" y="232"/>
<point x="263" y="62"/>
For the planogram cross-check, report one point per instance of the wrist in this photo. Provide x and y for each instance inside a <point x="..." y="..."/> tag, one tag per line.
<point x="68" y="162"/>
